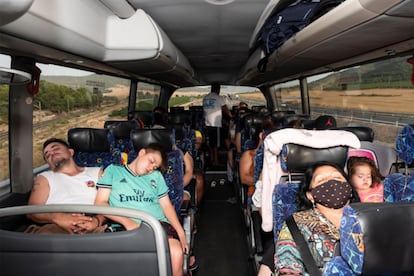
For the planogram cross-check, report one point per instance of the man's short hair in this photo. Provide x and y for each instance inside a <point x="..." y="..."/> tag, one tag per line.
<point x="215" y="87"/>
<point x="54" y="140"/>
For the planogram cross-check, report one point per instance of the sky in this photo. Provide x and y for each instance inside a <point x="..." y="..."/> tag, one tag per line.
<point x="48" y="70"/>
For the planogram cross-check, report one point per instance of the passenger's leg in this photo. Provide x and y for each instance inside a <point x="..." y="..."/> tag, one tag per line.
<point x="177" y="257"/>
<point x="199" y="186"/>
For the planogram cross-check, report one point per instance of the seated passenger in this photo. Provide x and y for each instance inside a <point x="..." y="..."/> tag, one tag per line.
<point x="159" y="117"/>
<point x="321" y="198"/>
<point x="199" y="167"/>
<point x="366" y="179"/>
<point x="64" y="183"/>
<point x="188" y="173"/>
<point x="324" y="122"/>
<point x="140" y="185"/>
<point x="246" y="165"/>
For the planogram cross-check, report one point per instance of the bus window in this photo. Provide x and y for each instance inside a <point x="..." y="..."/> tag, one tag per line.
<point x="147" y="96"/>
<point x="4" y="138"/>
<point x="76" y="99"/>
<point x="4" y="132"/>
<point x="193" y="96"/>
<point x="378" y="95"/>
<point x="287" y="96"/>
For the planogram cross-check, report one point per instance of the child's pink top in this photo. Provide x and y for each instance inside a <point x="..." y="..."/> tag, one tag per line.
<point x="376" y="194"/>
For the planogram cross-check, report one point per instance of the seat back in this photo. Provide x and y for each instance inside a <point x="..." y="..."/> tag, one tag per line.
<point x="121" y="130"/>
<point x="400" y="186"/>
<point x="291" y="151"/>
<point x="376" y="239"/>
<point x="144" y="118"/>
<point x="362" y="132"/>
<point x="94" y="147"/>
<point x="143" y="251"/>
<point x="295" y="159"/>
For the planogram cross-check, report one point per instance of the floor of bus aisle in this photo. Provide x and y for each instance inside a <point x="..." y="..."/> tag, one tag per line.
<point x="221" y="241"/>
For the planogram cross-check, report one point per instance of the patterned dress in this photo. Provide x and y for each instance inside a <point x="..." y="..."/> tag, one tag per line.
<point x="321" y="238"/>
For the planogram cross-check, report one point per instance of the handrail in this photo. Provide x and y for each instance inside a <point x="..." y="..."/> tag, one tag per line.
<point x="159" y="232"/>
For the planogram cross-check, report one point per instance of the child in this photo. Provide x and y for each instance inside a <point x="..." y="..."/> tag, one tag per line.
<point x="364" y="175"/>
<point x="140" y="185"/>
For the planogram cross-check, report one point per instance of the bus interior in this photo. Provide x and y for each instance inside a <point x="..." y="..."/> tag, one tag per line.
<point x="83" y="71"/>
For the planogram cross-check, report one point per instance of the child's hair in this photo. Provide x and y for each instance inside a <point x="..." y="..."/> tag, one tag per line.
<point x="356" y="161"/>
<point x="155" y="147"/>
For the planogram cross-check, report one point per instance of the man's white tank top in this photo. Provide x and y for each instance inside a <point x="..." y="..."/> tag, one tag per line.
<point x="77" y="189"/>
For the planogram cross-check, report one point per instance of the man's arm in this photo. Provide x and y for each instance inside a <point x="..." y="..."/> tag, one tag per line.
<point x="189" y="167"/>
<point x="72" y="223"/>
<point x="102" y="198"/>
<point x="227" y="111"/>
<point x="38" y="196"/>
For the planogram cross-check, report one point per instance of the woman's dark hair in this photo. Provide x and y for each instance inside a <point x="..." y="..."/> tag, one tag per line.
<point x="355" y="161"/>
<point x="302" y="200"/>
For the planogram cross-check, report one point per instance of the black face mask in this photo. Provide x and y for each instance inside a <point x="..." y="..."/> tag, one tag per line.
<point x="332" y="194"/>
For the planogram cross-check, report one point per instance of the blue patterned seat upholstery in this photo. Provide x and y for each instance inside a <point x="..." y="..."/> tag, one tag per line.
<point x="93" y="147"/>
<point x="399" y="187"/>
<point x="258" y="163"/>
<point x="284" y="204"/>
<point x="121" y="131"/>
<point x="174" y="178"/>
<point x="376" y="239"/>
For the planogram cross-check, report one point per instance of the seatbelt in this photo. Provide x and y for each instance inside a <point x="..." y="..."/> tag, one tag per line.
<point x="303" y="248"/>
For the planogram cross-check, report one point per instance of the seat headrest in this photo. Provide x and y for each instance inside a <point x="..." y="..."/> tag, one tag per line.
<point x="252" y="119"/>
<point x="144" y="116"/>
<point x="143" y="137"/>
<point x="387" y="237"/>
<point x="176" y="109"/>
<point x="89" y="139"/>
<point x="179" y="118"/>
<point x="297" y="158"/>
<point x="121" y="129"/>
<point x="362" y="132"/>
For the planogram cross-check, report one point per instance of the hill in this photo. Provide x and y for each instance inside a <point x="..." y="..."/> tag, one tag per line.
<point x="94" y="80"/>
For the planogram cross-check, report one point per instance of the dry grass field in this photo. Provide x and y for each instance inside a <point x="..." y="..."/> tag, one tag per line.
<point x="375" y="99"/>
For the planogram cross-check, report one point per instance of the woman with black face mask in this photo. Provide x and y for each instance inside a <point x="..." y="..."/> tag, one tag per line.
<point x="321" y="198"/>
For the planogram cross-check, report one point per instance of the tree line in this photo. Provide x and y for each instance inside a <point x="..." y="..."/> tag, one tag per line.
<point x="58" y="99"/>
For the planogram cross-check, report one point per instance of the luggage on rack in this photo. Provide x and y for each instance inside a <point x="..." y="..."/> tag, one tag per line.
<point x="290" y="17"/>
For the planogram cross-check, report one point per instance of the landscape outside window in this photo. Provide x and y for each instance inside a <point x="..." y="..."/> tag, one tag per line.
<point x="379" y="95"/>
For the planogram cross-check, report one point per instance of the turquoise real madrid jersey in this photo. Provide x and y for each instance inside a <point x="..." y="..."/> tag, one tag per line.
<point x="129" y="190"/>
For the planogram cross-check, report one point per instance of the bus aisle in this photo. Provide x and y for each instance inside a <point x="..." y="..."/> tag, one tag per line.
<point x="221" y="240"/>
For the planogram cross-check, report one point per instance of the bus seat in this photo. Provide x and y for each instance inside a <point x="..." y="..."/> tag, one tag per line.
<point x="295" y="159"/>
<point x="143" y="118"/>
<point x="174" y="172"/>
<point x="367" y="250"/>
<point x="94" y="147"/>
<point x="399" y="187"/>
<point x="197" y="117"/>
<point x="386" y="156"/>
<point x="362" y="132"/>
<point x="121" y="131"/>
<point x="290" y="150"/>
<point x="143" y="251"/>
